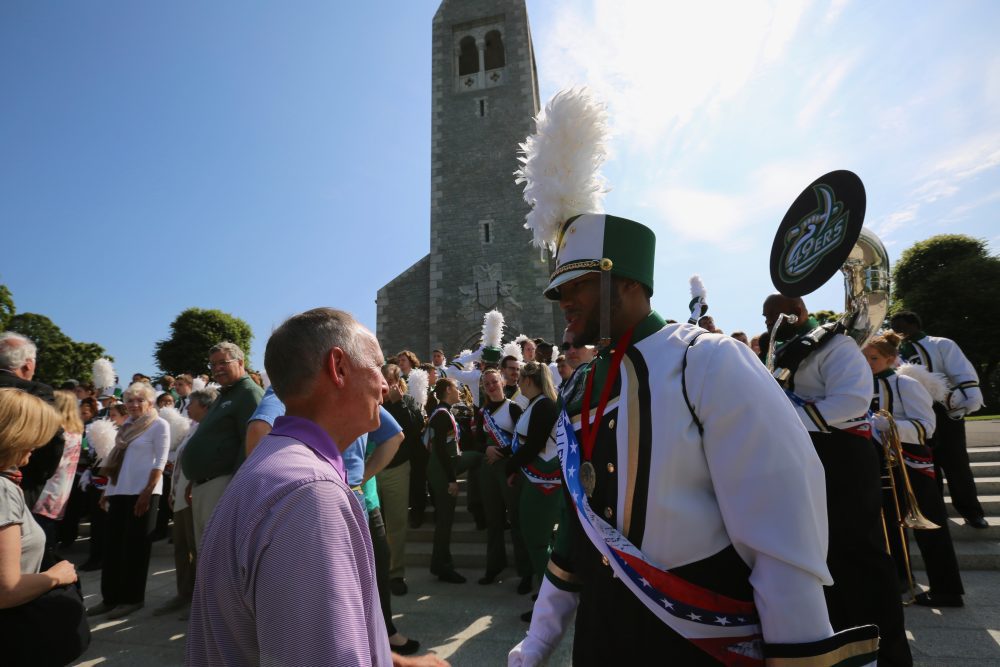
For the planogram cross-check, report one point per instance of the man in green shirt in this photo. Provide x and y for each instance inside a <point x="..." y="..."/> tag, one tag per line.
<point x="215" y="451"/>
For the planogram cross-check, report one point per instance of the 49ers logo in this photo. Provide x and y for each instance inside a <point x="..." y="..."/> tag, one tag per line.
<point x="818" y="233"/>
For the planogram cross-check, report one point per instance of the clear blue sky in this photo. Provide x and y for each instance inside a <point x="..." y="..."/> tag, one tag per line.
<point x="265" y="158"/>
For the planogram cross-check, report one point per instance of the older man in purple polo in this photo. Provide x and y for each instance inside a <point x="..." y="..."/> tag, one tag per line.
<point x="287" y="575"/>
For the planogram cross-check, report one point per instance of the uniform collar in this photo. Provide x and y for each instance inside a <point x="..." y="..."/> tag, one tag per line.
<point x="648" y="326"/>
<point x="920" y="336"/>
<point x="311" y="435"/>
<point x="886" y="373"/>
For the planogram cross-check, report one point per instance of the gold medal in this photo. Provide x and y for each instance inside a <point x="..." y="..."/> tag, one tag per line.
<point x="588" y="478"/>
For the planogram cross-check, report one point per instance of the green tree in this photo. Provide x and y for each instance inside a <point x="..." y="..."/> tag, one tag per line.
<point x="824" y="316"/>
<point x="193" y="333"/>
<point x="951" y="281"/>
<point x="59" y="356"/>
<point x="7" y="309"/>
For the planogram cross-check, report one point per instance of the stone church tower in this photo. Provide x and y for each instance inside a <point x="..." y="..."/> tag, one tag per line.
<point x="484" y="97"/>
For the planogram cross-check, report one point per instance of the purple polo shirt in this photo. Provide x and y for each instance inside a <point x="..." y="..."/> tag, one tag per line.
<point x="286" y="575"/>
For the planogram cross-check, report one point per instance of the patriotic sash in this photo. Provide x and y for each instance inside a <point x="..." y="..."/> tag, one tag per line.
<point x="454" y="427"/>
<point x="502" y="438"/>
<point x="725" y="628"/>
<point x="547" y="482"/>
<point x="919" y="463"/>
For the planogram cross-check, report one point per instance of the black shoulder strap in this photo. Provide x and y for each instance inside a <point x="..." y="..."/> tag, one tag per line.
<point x="791" y="355"/>
<point x="684" y="365"/>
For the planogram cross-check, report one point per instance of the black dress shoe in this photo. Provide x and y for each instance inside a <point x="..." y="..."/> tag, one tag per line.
<point x="979" y="522"/>
<point x="489" y="578"/>
<point x="526" y="617"/>
<point x="451" y="577"/>
<point x="935" y="600"/>
<point x="397" y="586"/>
<point x="409" y="648"/>
<point x="524" y="587"/>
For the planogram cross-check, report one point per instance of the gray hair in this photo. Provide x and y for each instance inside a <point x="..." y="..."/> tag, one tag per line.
<point x="296" y="350"/>
<point x="140" y="389"/>
<point x="204" y="397"/>
<point x="232" y="350"/>
<point x="15" y="350"/>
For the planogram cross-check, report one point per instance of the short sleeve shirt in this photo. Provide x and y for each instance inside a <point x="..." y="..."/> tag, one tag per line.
<point x="14" y="511"/>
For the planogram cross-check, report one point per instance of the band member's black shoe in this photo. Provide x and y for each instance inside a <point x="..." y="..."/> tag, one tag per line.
<point x="397" y="586"/>
<point x="524" y="587"/>
<point x="526" y="617"/>
<point x="490" y="578"/>
<point x="933" y="600"/>
<point x="451" y="577"/>
<point x="979" y="522"/>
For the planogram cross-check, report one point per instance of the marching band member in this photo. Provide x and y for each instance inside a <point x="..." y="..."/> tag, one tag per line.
<point x="902" y="393"/>
<point x="534" y="459"/>
<point x="495" y="427"/>
<point x="695" y="523"/>
<point x="830" y="385"/>
<point x="942" y="355"/>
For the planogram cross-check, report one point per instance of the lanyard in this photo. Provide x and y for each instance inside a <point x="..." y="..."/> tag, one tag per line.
<point x="588" y="430"/>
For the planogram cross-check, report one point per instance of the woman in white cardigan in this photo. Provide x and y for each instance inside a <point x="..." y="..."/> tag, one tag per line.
<point x="135" y="482"/>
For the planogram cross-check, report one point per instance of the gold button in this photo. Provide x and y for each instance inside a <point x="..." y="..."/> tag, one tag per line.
<point x="611" y="423"/>
<point x="608" y="513"/>
<point x="611" y="467"/>
<point x="604" y="560"/>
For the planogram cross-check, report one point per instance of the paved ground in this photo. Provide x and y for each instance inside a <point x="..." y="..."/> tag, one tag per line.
<point x="475" y="625"/>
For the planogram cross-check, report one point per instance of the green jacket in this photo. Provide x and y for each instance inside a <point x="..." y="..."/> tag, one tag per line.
<point x="217" y="447"/>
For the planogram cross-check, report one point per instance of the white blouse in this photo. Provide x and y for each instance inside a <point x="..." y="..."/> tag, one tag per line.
<point x="146" y="452"/>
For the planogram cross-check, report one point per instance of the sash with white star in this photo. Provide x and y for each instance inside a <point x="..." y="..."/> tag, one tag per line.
<point x="725" y="628"/>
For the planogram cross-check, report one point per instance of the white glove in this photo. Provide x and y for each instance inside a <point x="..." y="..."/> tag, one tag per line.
<point x="880" y="423"/>
<point x="85" y="480"/>
<point x="467" y="359"/>
<point x="551" y="615"/>
<point x="961" y="402"/>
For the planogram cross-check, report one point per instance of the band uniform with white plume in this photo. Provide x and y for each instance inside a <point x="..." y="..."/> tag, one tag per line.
<point x="698" y="305"/>
<point x="417" y="385"/>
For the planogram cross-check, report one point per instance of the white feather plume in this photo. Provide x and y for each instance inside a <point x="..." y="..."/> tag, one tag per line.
<point x="560" y="163"/>
<point x="101" y="437"/>
<point x="698" y="288"/>
<point x="512" y="349"/>
<point x="197" y="384"/>
<point x="521" y="338"/>
<point x="416" y="386"/>
<point x="936" y="384"/>
<point x="103" y="374"/>
<point x="492" y="328"/>
<point x="464" y="353"/>
<point x="179" y="425"/>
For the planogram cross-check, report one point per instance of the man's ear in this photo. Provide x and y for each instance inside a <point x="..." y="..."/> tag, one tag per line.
<point x="337" y="366"/>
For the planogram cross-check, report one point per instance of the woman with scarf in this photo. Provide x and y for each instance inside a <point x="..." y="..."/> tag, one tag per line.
<point x="134" y="469"/>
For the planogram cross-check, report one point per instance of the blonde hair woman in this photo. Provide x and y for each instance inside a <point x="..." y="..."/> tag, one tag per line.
<point x="26" y="423"/>
<point x="535" y="457"/>
<point x="51" y="504"/>
<point x="135" y="470"/>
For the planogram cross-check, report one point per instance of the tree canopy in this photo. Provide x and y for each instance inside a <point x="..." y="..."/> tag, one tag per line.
<point x="193" y="333"/>
<point x="953" y="283"/>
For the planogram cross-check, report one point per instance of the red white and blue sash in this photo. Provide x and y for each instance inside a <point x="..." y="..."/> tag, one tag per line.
<point x="502" y="438"/>
<point x="454" y="427"/>
<point x="725" y="628"/>
<point x="923" y="465"/>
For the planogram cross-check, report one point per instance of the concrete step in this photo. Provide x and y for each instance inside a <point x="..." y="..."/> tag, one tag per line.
<point x="469" y="559"/>
<point x="985" y="468"/>
<point x="985" y="486"/>
<point x="962" y="533"/>
<point x="974" y="555"/>
<point x="990" y="503"/>
<point x="981" y="454"/>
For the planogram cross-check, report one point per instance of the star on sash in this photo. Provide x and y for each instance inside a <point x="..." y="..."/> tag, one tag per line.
<point x="722" y="620"/>
<point x="694" y="617"/>
<point x="571" y="471"/>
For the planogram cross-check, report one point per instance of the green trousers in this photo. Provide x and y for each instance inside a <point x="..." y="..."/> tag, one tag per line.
<point x="539" y="514"/>
<point x="394" y="496"/>
<point x="501" y="502"/>
<point x="444" y="506"/>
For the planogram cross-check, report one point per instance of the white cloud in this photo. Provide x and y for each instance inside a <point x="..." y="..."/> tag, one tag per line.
<point x="834" y="11"/>
<point x="823" y="88"/>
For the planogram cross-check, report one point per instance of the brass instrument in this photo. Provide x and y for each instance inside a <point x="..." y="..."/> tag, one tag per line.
<point x="892" y="449"/>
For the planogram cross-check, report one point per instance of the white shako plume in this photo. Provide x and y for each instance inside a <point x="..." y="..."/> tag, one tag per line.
<point x="560" y="164"/>
<point x="416" y="386"/>
<point x="935" y="383"/>
<point x="464" y="353"/>
<point x="103" y="374"/>
<point x="512" y="349"/>
<point x="698" y="305"/>
<point x="698" y="288"/>
<point x="179" y="425"/>
<point x="197" y="384"/>
<point x="492" y="329"/>
<point x="101" y="436"/>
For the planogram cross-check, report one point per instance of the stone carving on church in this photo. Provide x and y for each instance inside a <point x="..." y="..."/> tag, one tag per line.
<point x="489" y="290"/>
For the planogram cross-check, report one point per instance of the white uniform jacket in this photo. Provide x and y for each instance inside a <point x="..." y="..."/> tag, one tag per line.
<point x="943" y="355"/>
<point x="836" y="384"/>
<point x="910" y="405"/>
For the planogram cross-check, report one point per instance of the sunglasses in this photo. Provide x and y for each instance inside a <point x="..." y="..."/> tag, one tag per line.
<point x="566" y="346"/>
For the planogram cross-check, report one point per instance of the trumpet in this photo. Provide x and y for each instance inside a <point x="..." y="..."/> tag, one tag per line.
<point x="892" y="449"/>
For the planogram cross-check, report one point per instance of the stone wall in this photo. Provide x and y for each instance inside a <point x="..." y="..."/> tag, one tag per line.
<point x="401" y="312"/>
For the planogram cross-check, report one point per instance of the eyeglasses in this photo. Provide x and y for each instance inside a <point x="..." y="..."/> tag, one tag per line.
<point x="219" y="364"/>
<point x="566" y="346"/>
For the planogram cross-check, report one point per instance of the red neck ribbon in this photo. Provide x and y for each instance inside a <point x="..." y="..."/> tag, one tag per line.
<point x="589" y="431"/>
